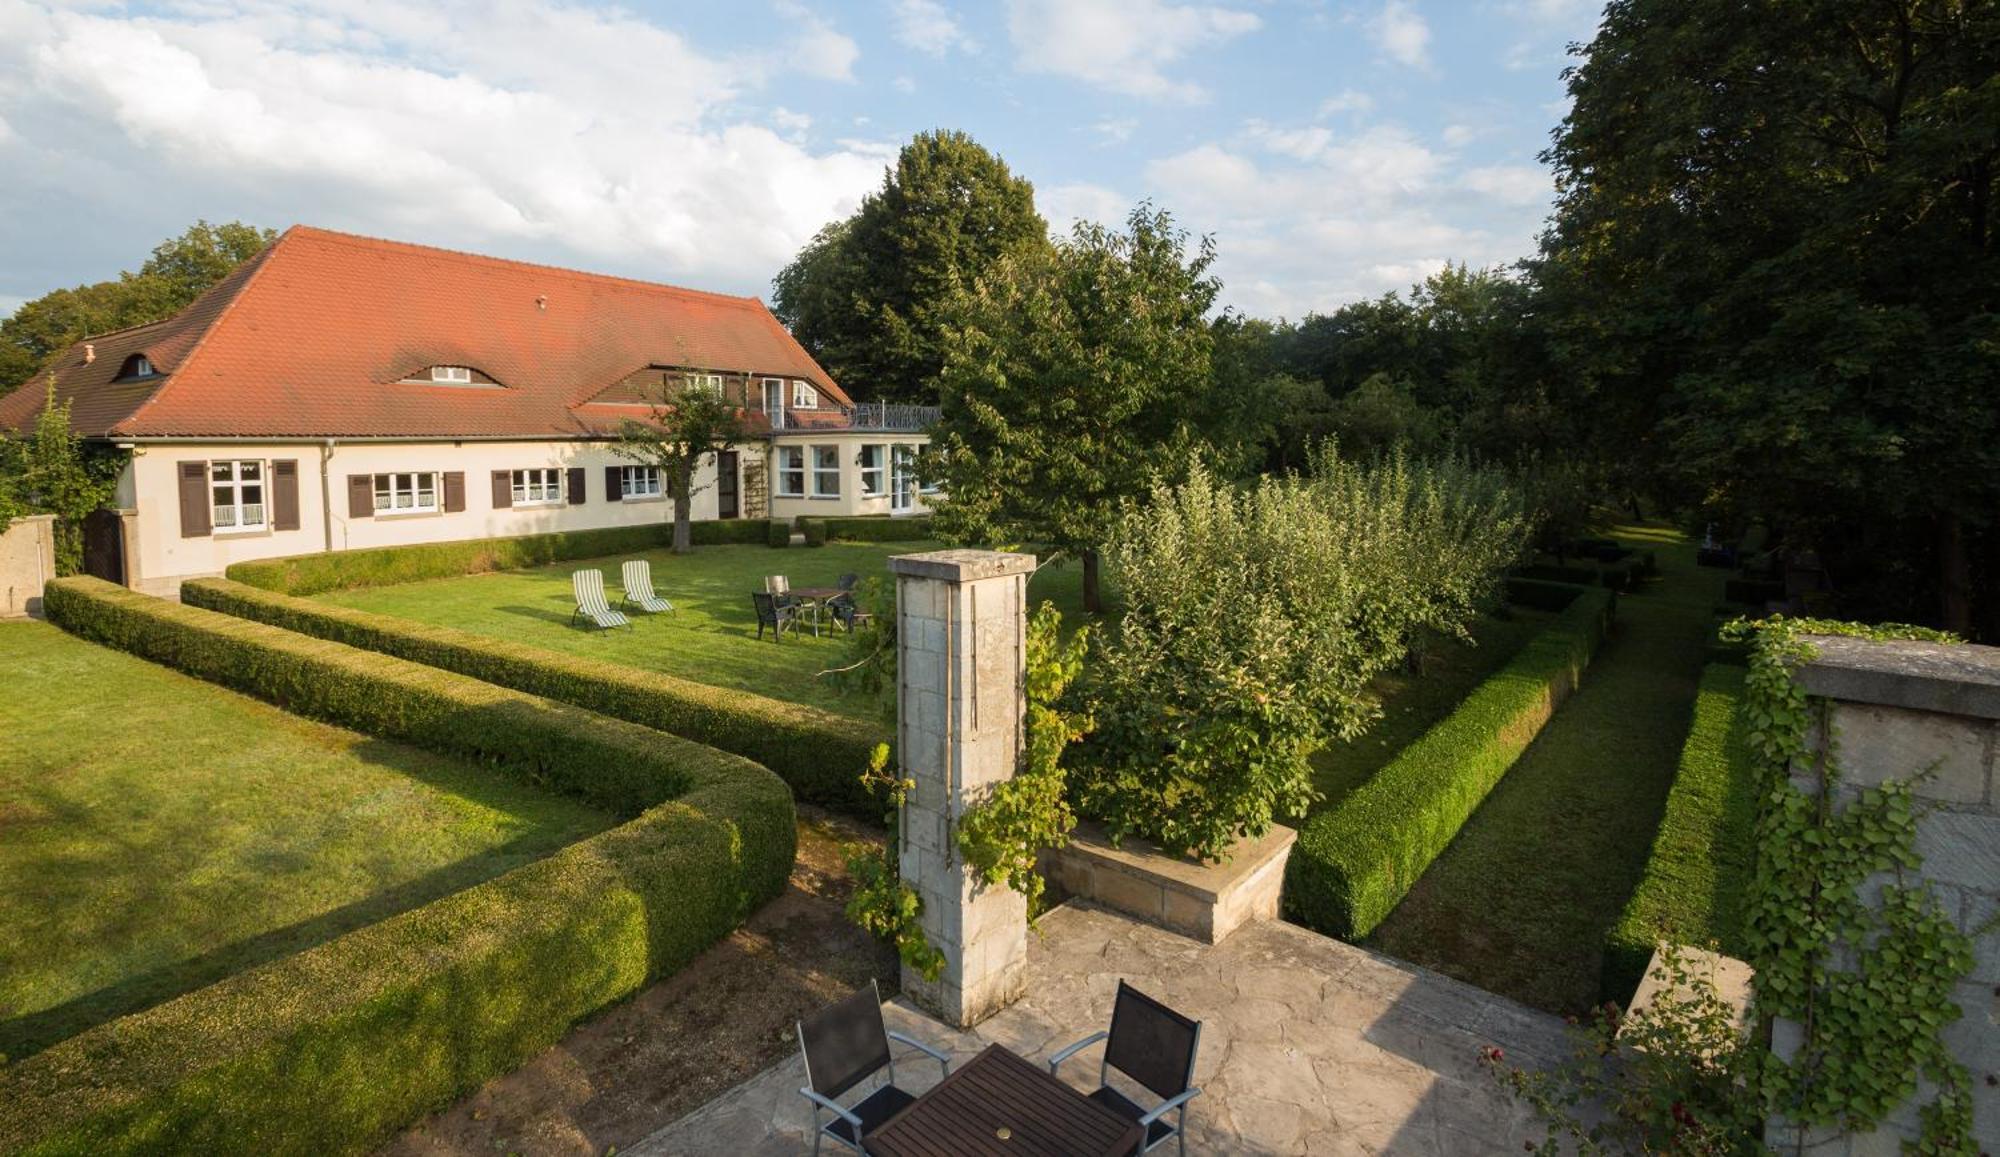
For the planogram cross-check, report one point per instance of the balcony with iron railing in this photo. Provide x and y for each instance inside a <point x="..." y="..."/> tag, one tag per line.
<point x="863" y="417"/>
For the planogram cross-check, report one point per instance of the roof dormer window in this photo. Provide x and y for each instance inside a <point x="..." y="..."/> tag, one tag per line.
<point x="452" y="375"/>
<point x="804" y="396"/>
<point x="137" y="366"/>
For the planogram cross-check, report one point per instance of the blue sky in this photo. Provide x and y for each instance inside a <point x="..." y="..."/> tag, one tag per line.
<point x="1335" y="150"/>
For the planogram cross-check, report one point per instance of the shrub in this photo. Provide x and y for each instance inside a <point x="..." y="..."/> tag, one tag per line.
<point x="1691" y="891"/>
<point x="1752" y="592"/>
<point x="778" y="532"/>
<point x="878" y="528"/>
<point x="820" y="754"/>
<point x="1353" y="863"/>
<point x="814" y="530"/>
<point x="1539" y="595"/>
<point x="1253" y="623"/>
<point x="335" y="1048"/>
<point x="310" y="574"/>
<point x="1585" y="576"/>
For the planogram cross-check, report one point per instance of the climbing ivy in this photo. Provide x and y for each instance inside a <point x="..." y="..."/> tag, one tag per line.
<point x="1870" y="984"/>
<point x="1003" y="836"/>
<point x="882" y="904"/>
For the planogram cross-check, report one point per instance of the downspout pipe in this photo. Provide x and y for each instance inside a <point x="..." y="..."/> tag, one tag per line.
<point x="326" y="491"/>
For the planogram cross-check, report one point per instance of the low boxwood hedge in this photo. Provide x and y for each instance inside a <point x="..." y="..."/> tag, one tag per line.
<point x="1540" y="594"/>
<point x="1354" y="862"/>
<point x="334" y="1049"/>
<point x="1693" y="885"/>
<point x="1550" y="573"/>
<point x="878" y="528"/>
<point x="310" y="574"/>
<point x="814" y="530"/>
<point x="820" y="754"/>
<point x="778" y="532"/>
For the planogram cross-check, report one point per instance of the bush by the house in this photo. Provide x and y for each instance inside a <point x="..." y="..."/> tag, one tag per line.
<point x="310" y="574"/>
<point x="1691" y="892"/>
<point x="820" y="754"/>
<point x="1254" y="620"/>
<point x="1353" y="863"/>
<point x="778" y="532"/>
<point x="814" y="530"/>
<point x="1539" y="595"/>
<point x="878" y="528"/>
<point x="335" y="1048"/>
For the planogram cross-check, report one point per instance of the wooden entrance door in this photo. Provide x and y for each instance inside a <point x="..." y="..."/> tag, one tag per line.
<point x="104" y="546"/>
<point x="728" y="485"/>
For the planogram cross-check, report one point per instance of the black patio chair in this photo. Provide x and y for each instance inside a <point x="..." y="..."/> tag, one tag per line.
<point x="1153" y="1045"/>
<point x="776" y="613"/>
<point x="843" y="1045"/>
<point x="847" y="581"/>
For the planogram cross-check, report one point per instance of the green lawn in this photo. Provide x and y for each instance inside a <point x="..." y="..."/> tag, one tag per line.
<point x="158" y="833"/>
<point x="711" y="636"/>
<point x="1520" y="902"/>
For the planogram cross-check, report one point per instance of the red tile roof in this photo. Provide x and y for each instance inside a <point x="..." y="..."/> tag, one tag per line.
<point x="312" y="337"/>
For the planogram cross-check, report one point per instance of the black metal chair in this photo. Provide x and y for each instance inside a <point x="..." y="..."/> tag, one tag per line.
<point x="778" y="614"/>
<point x="848" y="581"/>
<point x="1153" y="1045"/>
<point x="845" y="1044"/>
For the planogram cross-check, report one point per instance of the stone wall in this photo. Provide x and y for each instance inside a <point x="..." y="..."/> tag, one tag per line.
<point x="27" y="561"/>
<point x="1897" y="709"/>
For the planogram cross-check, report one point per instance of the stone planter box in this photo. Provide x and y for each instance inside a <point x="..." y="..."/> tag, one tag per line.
<point x="1205" y="901"/>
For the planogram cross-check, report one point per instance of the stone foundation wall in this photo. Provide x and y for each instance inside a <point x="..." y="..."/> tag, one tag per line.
<point x="27" y="561"/>
<point x="1205" y="901"/>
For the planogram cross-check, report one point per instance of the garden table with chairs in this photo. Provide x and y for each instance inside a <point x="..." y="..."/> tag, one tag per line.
<point x="999" y="1103"/>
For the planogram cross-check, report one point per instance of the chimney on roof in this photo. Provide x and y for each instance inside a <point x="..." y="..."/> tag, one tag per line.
<point x="89" y="353"/>
<point x="541" y="301"/>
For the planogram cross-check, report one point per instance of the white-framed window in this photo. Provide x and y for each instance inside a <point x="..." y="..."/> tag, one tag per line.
<point x="925" y="486"/>
<point x="236" y="495"/>
<point x="804" y="397"/>
<point x="792" y="471"/>
<point x="710" y="382"/>
<point x="406" y="493"/>
<point x="452" y="375"/>
<point x="826" y="471"/>
<point x="542" y="486"/>
<point x="902" y="478"/>
<point x="638" y="482"/>
<point x="874" y="470"/>
<point x="137" y="366"/>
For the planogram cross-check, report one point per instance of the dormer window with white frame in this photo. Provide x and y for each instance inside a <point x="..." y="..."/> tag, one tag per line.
<point x="712" y="383"/>
<point x="804" y="396"/>
<point x="137" y="366"/>
<point x="452" y="375"/>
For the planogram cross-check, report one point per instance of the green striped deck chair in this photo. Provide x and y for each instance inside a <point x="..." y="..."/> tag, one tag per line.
<point x="590" y="602"/>
<point x="639" y="588"/>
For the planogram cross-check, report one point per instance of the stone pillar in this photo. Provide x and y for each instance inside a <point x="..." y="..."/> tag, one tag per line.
<point x="1897" y="709"/>
<point x="961" y="631"/>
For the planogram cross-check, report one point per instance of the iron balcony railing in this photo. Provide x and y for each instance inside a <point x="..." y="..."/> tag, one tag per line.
<point x="884" y="417"/>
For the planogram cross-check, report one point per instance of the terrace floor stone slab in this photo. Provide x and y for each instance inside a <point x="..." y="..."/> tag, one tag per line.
<point x="1308" y="1045"/>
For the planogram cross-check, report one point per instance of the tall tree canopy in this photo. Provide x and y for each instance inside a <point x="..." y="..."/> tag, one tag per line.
<point x="177" y="273"/>
<point x="1772" y="266"/>
<point x="866" y="296"/>
<point x="1065" y="380"/>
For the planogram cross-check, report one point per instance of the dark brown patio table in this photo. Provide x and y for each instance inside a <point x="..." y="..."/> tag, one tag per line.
<point x="817" y="598"/>
<point x="1001" y="1105"/>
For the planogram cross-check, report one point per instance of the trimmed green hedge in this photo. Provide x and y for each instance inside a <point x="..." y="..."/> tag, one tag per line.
<point x="814" y="530"/>
<point x="878" y="528"/>
<point x="1353" y="863"/>
<point x="778" y="532"/>
<point x="1692" y="889"/>
<point x="820" y="754"/>
<point x="1546" y="572"/>
<point x="336" y="1048"/>
<point x="1540" y="594"/>
<point x="311" y="574"/>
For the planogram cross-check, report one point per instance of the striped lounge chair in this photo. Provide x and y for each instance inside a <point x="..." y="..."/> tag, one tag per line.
<point x="639" y="588"/>
<point x="590" y="602"/>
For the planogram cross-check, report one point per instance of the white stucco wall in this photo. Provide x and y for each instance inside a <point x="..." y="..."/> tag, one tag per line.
<point x="164" y="558"/>
<point x="851" y="501"/>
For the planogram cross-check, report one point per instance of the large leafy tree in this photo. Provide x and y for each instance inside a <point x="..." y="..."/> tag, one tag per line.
<point x="179" y="269"/>
<point x="48" y="470"/>
<point x="867" y="295"/>
<point x="684" y="429"/>
<point x="1065" y="383"/>
<point x="1772" y="265"/>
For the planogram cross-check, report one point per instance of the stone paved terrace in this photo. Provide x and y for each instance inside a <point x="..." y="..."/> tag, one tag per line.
<point x="1308" y="1045"/>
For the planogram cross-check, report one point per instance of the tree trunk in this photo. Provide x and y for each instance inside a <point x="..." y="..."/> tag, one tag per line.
<point x="683" y="508"/>
<point x="1954" y="576"/>
<point x="1091" y="603"/>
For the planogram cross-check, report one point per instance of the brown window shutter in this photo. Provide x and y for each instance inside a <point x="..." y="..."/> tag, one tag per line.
<point x="575" y="493"/>
<point x="611" y="484"/>
<point x="503" y="489"/>
<point x="194" y="500"/>
<point x="285" y="494"/>
<point x="454" y="491"/>
<point x="360" y="496"/>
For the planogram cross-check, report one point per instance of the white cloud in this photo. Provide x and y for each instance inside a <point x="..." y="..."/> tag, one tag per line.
<point x="1512" y="184"/>
<point x="1300" y="144"/>
<point x="904" y="84"/>
<point x="507" y="126"/>
<point x="1457" y="136"/>
<point x="9" y="304"/>
<point x="929" y="27"/>
<point x="1401" y="34"/>
<point x="1115" y="130"/>
<point x="1125" y="46"/>
<point x="1064" y="205"/>
<point x="817" y="48"/>
<point x="791" y="124"/>
<point x="1347" y="101"/>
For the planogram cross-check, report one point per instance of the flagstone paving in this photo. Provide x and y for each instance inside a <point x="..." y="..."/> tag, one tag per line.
<point x="1308" y="1045"/>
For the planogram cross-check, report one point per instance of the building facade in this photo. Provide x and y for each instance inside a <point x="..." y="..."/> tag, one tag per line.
<point x="340" y="393"/>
